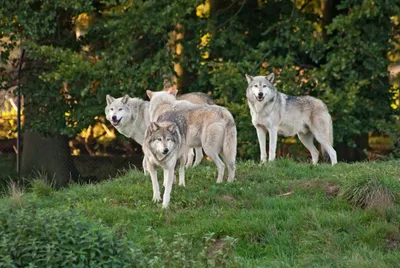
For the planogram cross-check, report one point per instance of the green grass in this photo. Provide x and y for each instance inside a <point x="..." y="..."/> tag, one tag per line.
<point x="282" y="214"/>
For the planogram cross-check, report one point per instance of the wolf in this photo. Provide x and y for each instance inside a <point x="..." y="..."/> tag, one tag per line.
<point x="130" y="117"/>
<point x="208" y="126"/>
<point x="278" y="113"/>
<point x="164" y="145"/>
<point x="195" y="98"/>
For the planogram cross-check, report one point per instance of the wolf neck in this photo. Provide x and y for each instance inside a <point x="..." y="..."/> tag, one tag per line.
<point x="138" y="122"/>
<point x="161" y="105"/>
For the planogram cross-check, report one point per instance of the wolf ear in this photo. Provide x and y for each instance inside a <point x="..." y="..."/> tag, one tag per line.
<point x="173" y="92"/>
<point x="149" y="93"/>
<point x="109" y="99"/>
<point x="270" y="77"/>
<point x="171" y="127"/>
<point x="125" y="99"/>
<point x="249" y="78"/>
<point x="154" y="126"/>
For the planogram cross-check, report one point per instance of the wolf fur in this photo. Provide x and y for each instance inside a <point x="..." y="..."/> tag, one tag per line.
<point x="130" y="116"/>
<point x="195" y="98"/>
<point x="164" y="145"/>
<point x="278" y="113"/>
<point x="208" y="126"/>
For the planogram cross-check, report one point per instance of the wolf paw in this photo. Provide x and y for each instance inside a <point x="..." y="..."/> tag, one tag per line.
<point x="156" y="198"/>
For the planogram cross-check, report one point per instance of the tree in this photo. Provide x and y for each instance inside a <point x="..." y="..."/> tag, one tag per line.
<point x="334" y="49"/>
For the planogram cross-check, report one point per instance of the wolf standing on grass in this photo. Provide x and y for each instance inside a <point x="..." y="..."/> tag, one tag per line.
<point x="130" y="116"/>
<point x="181" y="125"/>
<point x="279" y="113"/>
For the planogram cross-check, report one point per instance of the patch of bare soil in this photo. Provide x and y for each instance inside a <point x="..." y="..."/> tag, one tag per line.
<point x="226" y="197"/>
<point x="329" y="188"/>
<point x="219" y="244"/>
<point x="392" y="241"/>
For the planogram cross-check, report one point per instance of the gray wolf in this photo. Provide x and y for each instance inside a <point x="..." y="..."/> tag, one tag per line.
<point x="278" y="113"/>
<point x="208" y="126"/>
<point x="195" y="98"/>
<point x="164" y="145"/>
<point x="130" y="116"/>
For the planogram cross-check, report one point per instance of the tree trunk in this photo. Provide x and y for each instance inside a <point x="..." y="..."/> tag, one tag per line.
<point x="50" y="155"/>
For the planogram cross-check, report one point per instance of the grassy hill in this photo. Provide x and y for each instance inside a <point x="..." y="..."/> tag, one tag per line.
<point x="282" y="214"/>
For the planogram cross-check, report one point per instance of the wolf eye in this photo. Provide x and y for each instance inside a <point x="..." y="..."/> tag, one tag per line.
<point x="256" y="86"/>
<point x="159" y="139"/>
<point x="120" y="109"/>
<point x="264" y="86"/>
<point x="168" y="139"/>
<point x="112" y="109"/>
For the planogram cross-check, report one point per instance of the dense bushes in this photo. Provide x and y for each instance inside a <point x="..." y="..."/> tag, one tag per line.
<point x="338" y="52"/>
<point x="52" y="238"/>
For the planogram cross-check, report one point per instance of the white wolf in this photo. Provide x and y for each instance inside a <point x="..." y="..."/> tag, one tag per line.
<point x="278" y="113"/>
<point x="208" y="126"/>
<point x="130" y="116"/>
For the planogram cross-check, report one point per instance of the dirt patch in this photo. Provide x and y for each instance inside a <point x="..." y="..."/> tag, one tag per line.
<point x="226" y="197"/>
<point x="392" y="241"/>
<point x="219" y="244"/>
<point x="329" y="188"/>
<point x="112" y="203"/>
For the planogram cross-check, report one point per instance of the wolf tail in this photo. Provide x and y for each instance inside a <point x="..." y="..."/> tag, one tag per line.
<point x="325" y="154"/>
<point x="229" y="148"/>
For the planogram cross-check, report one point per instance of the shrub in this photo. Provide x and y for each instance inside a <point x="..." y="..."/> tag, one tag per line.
<point x="41" y="187"/>
<point x="369" y="192"/>
<point x="51" y="238"/>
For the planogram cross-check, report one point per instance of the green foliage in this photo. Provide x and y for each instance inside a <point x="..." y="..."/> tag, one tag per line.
<point x="41" y="187"/>
<point x="50" y="237"/>
<point x="338" y="53"/>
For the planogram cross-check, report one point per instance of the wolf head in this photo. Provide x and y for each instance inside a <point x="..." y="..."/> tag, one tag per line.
<point x="261" y="87"/>
<point x="169" y="91"/>
<point x="117" y="110"/>
<point x="162" y="137"/>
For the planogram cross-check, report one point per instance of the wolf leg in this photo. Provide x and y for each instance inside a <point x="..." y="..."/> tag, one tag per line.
<point x="229" y="150"/>
<point x="199" y="156"/>
<point x="168" y="173"/>
<point x="156" y="189"/>
<point x="262" y="135"/>
<point x="165" y="180"/>
<point x="212" y="142"/>
<point x="329" y="149"/>
<point x="308" y="140"/>
<point x="273" y="138"/>
<point x="182" y="171"/>
<point x="144" y="165"/>
<point x="190" y="157"/>
<point x="218" y="162"/>
<point x="324" y="136"/>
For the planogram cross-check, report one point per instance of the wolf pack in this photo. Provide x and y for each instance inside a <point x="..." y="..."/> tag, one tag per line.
<point x="175" y="130"/>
